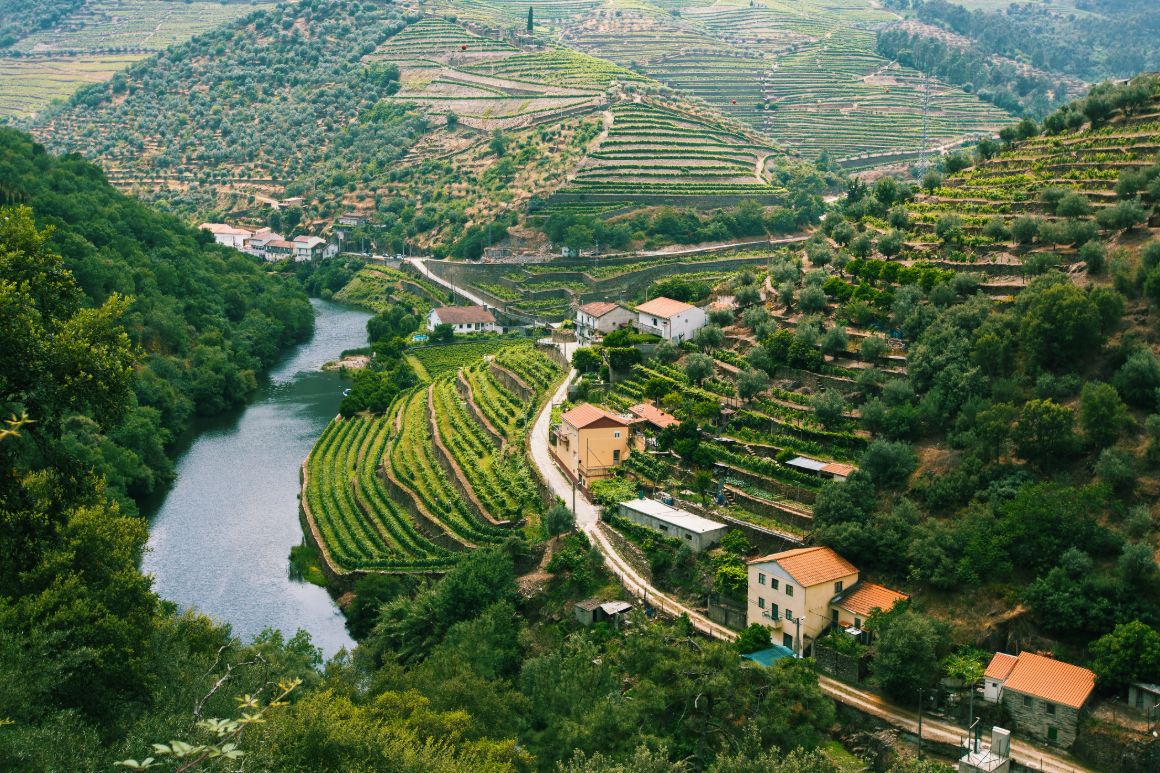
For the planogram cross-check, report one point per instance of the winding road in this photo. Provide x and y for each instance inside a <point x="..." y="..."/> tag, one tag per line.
<point x="587" y="520"/>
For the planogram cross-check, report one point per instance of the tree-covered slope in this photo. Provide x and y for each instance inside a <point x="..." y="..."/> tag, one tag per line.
<point x="206" y="320"/>
<point x="19" y="18"/>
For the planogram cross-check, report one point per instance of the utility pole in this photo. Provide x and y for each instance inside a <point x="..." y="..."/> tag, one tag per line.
<point x="920" y="691"/>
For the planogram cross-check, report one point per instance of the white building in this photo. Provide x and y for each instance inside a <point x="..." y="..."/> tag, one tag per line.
<point x="463" y="319"/>
<point x="699" y="533"/>
<point x="227" y="235"/>
<point x="600" y="317"/>
<point x="308" y="248"/>
<point x="671" y="320"/>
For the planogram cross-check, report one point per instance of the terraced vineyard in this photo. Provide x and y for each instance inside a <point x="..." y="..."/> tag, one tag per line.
<point x="442" y="471"/>
<point x="99" y="39"/>
<point x="662" y="154"/>
<point x="1030" y="177"/>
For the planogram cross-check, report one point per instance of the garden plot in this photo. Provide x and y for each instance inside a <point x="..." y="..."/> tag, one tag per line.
<point x="559" y="66"/>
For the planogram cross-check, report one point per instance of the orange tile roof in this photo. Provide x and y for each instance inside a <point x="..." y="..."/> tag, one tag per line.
<point x="465" y="315"/>
<point x="865" y="597"/>
<point x="1000" y="666"/>
<point x="587" y="413"/>
<point x="654" y="415"/>
<point x="663" y="307"/>
<point x="838" y="468"/>
<point x="1050" y="680"/>
<point x="597" y="308"/>
<point x="811" y="566"/>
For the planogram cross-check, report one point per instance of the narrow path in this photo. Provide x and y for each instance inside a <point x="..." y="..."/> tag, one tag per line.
<point x="420" y="265"/>
<point x="587" y="519"/>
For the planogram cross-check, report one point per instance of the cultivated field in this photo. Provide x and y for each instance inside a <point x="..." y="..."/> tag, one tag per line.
<point x="29" y="83"/>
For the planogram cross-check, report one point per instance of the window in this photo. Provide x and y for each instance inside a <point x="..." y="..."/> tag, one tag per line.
<point x="615" y="455"/>
<point x="760" y="603"/>
<point x="838" y="587"/>
<point x="1049" y="708"/>
<point x="774" y="582"/>
<point x="1026" y="702"/>
<point x="789" y="614"/>
<point x="834" y="615"/>
<point x="616" y="435"/>
<point x="688" y="536"/>
<point x="857" y="622"/>
<point x="760" y="578"/>
<point x="773" y="611"/>
<point x="788" y="589"/>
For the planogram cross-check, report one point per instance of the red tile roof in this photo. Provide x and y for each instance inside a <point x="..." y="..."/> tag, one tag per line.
<point x="654" y="416"/>
<point x="464" y="315"/>
<point x="663" y="307"/>
<point x="1050" y="680"/>
<point x="838" y="468"/>
<point x="586" y="413"/>
<point x="865" y="597"/>
<point x="811" y="566"/>
<point x="1000" y="666"/>
<point x="598" y="308"/>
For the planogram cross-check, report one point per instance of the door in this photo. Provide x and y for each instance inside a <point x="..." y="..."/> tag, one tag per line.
<point x="787" y="640"/>
<point x="1052" y="735"/>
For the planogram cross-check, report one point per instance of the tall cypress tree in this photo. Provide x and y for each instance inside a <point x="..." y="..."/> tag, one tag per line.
<point x="529" y="19"/>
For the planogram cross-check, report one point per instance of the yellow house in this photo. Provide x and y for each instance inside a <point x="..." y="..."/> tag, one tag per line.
<point x="590" y="441"/>
<point x="791" y="592"/>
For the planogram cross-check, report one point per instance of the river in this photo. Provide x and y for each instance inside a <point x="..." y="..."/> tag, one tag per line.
<point x="221" y="539"/>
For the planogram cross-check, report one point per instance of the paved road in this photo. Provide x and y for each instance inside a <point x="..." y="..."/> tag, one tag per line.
<point x="420" y="266"/>
<point x="587" y="520"/>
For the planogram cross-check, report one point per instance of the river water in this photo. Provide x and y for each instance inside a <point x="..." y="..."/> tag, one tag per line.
<point x="221" y="539"/>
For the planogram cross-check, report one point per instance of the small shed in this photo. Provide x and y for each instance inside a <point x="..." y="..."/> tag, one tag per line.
<point x="832" y="470"/>
<point x="591" y="611"/>
<point x="1145" y="697"/>
<point x="699" y="533"/>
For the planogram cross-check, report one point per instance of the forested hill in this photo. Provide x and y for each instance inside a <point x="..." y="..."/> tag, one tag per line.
<point x="206" y="321"/>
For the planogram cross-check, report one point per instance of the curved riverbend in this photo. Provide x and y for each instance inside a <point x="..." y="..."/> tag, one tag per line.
<point x="220" y="541"/>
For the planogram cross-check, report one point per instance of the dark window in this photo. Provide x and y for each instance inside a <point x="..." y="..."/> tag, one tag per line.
<point x="1050" y="708"/>
<point x="1026" y="702"/>
<point x="789" y="590"/>
<point x="838" y="587"/>
<point x="773" y="582"/>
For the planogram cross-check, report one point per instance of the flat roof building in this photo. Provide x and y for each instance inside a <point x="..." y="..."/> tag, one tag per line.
<point x="699" y="533"/>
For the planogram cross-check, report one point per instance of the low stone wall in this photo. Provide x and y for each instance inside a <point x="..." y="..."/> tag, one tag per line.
<point x="838" y="664"/>
<point x="1116" y="749"/>
<point x="430" y="527"/>
<point x="464" y="390"/>
<point x="795" y="493"/>
<point x="512" y="382"/>
<point x="773" y="510"/>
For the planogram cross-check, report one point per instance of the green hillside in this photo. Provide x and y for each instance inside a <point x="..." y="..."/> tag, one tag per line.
<point x="206" y="320"/>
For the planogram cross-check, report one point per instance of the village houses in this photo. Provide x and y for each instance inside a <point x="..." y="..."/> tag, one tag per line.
<point x="1045" y="697"/>
<point x="671" y="320"/>
<point x="599" y="318"/>
<point x="590" y="441"/>
<point x="800" y="593"/>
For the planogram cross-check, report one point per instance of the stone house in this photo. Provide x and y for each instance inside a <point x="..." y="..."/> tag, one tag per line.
<point x="1045" y="697"/>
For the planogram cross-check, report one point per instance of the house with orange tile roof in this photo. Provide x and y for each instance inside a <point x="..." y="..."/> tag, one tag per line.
<point x="654" y="416"/>
<point x="801" y="593"/>
<point x="590" y="441"/>
<point x="671" y="320"/>
<point x="595" y="319"/>
<point x="1045" y="697"/>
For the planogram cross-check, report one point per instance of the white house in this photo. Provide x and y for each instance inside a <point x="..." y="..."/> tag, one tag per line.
<point x="463" y="319"/>
<point x="308" y="248"/>
<point x="671" y="320"/>
<point x="227" y="235"/>
<point x="352" y="219"/>
<point x="600" y="317"/>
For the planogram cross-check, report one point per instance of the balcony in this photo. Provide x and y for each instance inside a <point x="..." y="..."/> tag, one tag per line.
<point x="653" y="329"/>
<point x="771" y="619"/>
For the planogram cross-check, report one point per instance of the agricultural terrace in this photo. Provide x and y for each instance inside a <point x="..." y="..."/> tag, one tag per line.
<point x="442" y="471"/>
<point x="378" y="287"/>
<point x="97" y="40"/>
<point x="435" y="55"/>
<point x="438" y="359"/>
<point x="663" y="154"/>
<point x="807" y="74"/>
<point x="515" y="12"/>
<point x="558" y="66"/>
<point x="1035" y="180"/>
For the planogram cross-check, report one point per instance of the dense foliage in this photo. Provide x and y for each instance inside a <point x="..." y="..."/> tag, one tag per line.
<point x="1117" y="40"/>
<point x="207" y="321"/>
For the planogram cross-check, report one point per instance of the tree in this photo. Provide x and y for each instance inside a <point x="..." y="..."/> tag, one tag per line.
<point x="1044" y="435"/>
<point x="443" y="332"/>
<point x="873" y="348"/>
<point x="908" y="654"/>
<point x="1117" y="468"/>
<point x="531" y="20"/>
<point x="1124" y="215"/>
<point x="709" y="337"/>
<point x="891" y="243"/>
<point x="586" y="360"/>
<point x="1024" y="229"/>
<point x="1093" y="254"/>
<point x="667" y="352"/>
<point x="755" y="637"/>
<point x="861" y="246"/>
<point x="829" y="407"/>
<point x="996" y="230"/>
<point x="949" y="229"/>
<point x="498" y="143"/>
<point x="1130" y="653"/>
<point x="812" y="300"/>
<point x="931" y="181"/>
<point x="1102" y="413"/>
<point x="888" y="464"/>
<point x="698" y="367"/>
<point x="1057" y="319"/>
<point x="1073" y="205"/>
<point x="751" y="382"/>
<point x="558" y="520"/>
<point x="1139" y="378"/>
<point x="835" y="341"/>
<point x="703" y="483"/>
